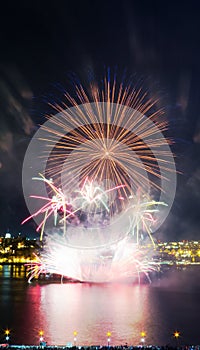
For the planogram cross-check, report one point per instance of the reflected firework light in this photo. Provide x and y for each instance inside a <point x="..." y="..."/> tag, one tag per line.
<point x="108" y="176"/>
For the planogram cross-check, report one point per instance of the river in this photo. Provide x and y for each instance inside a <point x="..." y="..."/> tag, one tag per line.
<point x="169" y="303"/>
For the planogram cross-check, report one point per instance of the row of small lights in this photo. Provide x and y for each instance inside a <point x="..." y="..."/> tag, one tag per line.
<point x="176" y="335"/>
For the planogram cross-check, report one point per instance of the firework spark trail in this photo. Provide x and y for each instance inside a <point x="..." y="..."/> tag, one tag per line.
<point x="35" y="268"/>
<point x="142" y="215"/>
<point x="55" y="203"/>
<point x="89" y="195"/>
<point x="105" y="131"/>
<point x="141" y="212"/>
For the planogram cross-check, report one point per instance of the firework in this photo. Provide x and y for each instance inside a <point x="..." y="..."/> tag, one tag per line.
<point x="92" y="196"/>
<point x="92" y="255"/>
<point x="108" y="140"/>
<point x="91" y="199"/>
<point x="54" y="204"/>
<point x="143" y="211"/>
<point x="111" y="184"/>
<point x="122" y="261"/>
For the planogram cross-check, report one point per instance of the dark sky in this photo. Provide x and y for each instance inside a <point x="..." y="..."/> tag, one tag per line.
<point x="43" y="42"/>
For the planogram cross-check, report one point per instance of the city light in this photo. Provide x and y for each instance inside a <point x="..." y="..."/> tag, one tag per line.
<point x="167" y="253"/>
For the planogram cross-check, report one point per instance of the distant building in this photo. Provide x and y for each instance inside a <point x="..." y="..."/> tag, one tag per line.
<point x="8" y="235"/>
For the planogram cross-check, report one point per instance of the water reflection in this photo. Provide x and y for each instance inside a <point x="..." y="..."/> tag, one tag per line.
<point x="12" y="270"/>
<point x="93" y="310"/>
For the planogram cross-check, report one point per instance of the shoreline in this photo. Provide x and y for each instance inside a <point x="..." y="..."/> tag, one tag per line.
<point x="103" y="347"/>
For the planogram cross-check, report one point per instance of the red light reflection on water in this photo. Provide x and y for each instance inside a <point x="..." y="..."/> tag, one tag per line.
<point x="92" y="310"/>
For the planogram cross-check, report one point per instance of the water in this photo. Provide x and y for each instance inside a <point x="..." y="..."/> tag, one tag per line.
<point x="160" y="308"/>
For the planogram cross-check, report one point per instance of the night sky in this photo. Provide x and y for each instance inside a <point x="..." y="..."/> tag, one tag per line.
<point x="43" y="43"/>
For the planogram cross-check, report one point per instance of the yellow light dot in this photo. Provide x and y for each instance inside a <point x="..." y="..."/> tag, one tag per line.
<point x="176" y="334"/>
<point x="143" y="334"/>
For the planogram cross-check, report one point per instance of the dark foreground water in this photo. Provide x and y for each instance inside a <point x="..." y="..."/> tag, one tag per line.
<point x="168" y="304"/>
